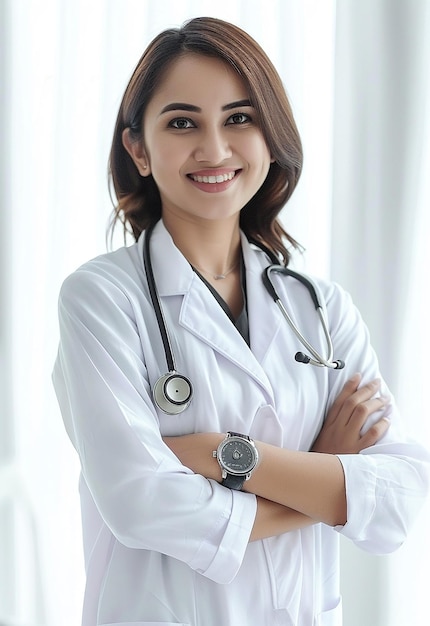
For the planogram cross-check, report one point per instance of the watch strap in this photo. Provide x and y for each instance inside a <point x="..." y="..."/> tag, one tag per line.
<point x="230" y="433"/>
<point x="233" y="482"/>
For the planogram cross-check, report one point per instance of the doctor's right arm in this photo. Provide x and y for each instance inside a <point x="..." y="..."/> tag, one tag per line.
<point x="340" y="434"/>
<point x="146" y="497"/>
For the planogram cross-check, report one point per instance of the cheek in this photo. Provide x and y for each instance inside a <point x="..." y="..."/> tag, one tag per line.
<point x="264" y="161"/>
<point x="167" y="155"/>
<point x="258" y="152"/>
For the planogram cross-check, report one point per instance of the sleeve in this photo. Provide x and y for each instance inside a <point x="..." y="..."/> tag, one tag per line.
<point x="386" y="484"/>
<point x="144" y="494"/>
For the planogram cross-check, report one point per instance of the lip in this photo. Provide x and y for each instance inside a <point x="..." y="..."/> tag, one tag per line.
<point x="214" y="180"/>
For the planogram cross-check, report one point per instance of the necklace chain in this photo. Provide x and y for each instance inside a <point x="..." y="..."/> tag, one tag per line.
<point x="218" y="276"/>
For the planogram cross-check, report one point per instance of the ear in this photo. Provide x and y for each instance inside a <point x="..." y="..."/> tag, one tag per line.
<point x="137" y="152"/>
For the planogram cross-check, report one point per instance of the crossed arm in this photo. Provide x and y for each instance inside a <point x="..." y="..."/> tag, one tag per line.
<point x="295" y="489"/>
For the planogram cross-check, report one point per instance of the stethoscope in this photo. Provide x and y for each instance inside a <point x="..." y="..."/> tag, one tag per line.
<point x="173" y="392"/>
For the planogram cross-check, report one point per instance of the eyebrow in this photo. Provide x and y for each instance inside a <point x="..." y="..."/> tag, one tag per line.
<point x="183" y="106"/>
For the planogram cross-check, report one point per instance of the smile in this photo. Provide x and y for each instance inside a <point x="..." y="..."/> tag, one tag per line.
<point x="219" y="178"/>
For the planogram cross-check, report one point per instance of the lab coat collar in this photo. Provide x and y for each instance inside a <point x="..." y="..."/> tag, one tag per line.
<point x="265" y="318"/>
<point x="173" y="274"/>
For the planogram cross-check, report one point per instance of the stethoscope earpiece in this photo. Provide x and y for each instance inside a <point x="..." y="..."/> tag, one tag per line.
<point x="339" y="364"/>
<point x="317" y="359"/>
<point x="172" y="393"/>
<point x="301" y="357"/>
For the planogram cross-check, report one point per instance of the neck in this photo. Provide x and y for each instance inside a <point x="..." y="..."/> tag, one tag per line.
<point x="212" y="247"/>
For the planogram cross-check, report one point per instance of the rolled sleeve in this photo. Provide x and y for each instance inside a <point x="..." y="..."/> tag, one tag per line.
<point x="386" y="487"/>
<point x="143" y="494"/>
<point x="226" y="548"/>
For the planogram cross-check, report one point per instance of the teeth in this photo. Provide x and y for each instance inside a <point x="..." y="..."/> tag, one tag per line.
<point x="221" y="178"/>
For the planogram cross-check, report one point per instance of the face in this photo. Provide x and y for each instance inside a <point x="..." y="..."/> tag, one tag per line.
<point x="202" y="141"/>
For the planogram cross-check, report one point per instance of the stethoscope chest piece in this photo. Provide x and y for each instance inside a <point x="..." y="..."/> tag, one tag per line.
<point x="173" y="393"/>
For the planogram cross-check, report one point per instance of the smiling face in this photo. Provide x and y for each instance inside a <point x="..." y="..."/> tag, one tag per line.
<point x="202" y="141"/>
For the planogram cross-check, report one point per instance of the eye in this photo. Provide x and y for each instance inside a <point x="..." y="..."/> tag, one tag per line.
<point x="239" y="118"/>
<point x="181" y="123"/>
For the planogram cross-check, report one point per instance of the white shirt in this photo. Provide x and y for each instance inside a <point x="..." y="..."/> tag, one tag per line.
<point x="166" y="546"/>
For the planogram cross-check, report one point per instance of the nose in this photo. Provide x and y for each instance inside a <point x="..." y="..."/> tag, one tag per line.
<point x="213" y="146"/>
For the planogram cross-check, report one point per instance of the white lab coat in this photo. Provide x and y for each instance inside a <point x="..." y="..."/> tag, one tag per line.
<point x="163" y="545"/>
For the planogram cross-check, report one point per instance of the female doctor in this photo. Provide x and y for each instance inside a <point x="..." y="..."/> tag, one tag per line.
<point x="218" y="471"/>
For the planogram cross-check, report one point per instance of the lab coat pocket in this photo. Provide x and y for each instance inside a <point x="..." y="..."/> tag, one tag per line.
<point x="332" y="617"/>
<point x="284" y="558"/>
<point x="266" y="426"/>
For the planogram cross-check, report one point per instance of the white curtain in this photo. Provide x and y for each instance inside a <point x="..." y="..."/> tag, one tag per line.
<point x="359" y="211"/>
<point x="379" y="248"/>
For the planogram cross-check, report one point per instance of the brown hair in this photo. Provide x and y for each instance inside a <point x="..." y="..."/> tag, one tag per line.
<point x="138" y="200"/>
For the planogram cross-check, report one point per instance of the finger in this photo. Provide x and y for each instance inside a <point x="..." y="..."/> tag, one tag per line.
<point x="348" y="389"/>
<point x="375" y="433"/>
<point x="350" y="397"/>
<point x="362" y="395"/>
<point x="367" y="391"/>
<point x="364" y="409"/>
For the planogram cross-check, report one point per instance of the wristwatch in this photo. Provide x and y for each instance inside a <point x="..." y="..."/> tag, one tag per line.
<point x="237" y="457"/>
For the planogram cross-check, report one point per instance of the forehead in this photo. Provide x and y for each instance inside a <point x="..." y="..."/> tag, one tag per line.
<point x="199" y="79"/>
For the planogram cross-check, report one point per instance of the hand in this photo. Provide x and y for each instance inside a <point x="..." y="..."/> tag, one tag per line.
<point x="340" y="433"/>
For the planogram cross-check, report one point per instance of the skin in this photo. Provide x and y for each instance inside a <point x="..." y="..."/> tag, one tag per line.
<point x="297" y="489"/>
<point x="199" y="127"/>
<point x="216" y="139"/>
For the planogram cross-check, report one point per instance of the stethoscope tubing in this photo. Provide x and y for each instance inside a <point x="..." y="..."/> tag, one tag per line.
<point x="318" y="360"/>
<point x="168" y="351"/>
<point x="173" y="392"/>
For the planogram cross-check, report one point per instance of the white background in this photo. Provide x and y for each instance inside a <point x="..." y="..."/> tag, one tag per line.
<point x="357" y="74"/>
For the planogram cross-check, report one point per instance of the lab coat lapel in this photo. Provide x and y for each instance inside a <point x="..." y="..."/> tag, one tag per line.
<point x="205" y="318"/>
<point x="201" y="315"/>
<point x="265" y="319"/>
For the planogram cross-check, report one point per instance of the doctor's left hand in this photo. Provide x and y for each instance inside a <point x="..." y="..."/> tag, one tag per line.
<point x="341" y="431"/>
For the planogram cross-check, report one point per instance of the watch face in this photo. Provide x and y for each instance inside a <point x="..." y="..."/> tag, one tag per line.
<point x="238" y="456"/>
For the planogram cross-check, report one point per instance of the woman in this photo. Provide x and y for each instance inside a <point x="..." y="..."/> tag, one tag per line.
<point x="204" y="156"/>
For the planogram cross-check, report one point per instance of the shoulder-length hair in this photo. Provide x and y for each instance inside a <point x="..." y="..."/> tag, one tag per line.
<point x="138" y="203"/>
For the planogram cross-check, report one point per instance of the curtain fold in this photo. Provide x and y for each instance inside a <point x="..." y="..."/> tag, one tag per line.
<point x="380" y="111"/>
<point x="380" y="206"/>
<point x="7" y="426"/>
